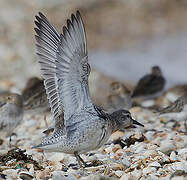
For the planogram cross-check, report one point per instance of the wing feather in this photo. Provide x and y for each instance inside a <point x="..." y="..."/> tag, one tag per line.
<point x="47" y="42"/>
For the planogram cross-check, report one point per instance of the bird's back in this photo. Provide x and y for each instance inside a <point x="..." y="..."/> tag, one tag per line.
<point x="149" y="85"/>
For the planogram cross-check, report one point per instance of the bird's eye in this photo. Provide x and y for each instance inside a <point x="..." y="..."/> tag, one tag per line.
<point x="128" y="116"/>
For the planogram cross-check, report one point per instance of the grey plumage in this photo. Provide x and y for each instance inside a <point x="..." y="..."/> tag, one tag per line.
<point x="177" y="107"/>
<point x="11" y="112"/>
<point x="119" y="97"/>
<point x="177" y="110"/>
<point x="80" y="126"/>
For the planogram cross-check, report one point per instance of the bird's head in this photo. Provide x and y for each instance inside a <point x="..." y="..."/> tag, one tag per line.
<point x="118" y="88"/>
<point x="123" y="119"/>
<point x="156" y="71"/>
<point x="32" y="82"/>
<point x="11" y="98"/>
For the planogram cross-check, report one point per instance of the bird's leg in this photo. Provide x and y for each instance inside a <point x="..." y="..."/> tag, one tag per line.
<point x="176" y="123"/>
<point x="45" y="120"/>
<point x="185" y="125"/>
<point x="10" y="139"/>
<point x="80" y="160"/>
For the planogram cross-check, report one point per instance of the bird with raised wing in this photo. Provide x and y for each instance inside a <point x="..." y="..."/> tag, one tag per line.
<point x="80" y="126"/>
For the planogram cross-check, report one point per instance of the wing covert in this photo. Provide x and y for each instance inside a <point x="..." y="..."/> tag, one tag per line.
<point x="72" y="68"/>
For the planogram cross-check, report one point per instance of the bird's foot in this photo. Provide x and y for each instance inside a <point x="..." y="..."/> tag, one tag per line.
<point x="93" y="163"/>
<point x="10" y="139"/>
<point x="175" y="124"/>
<point x="83" y="164"/>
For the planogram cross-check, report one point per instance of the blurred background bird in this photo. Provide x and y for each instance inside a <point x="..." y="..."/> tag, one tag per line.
<point x="11" y="112"/>
<point x="119" y="97"/>
<point x="151" y="85"/>
<point x="176" y="111"/>
<point x="33" y="86"/>
<point x="34" y="96"/>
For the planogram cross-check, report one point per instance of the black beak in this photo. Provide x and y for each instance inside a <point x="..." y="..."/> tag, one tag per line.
<point x="137" y="123"/>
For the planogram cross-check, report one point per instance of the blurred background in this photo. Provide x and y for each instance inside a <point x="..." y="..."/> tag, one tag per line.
<point x="125" y="38"/>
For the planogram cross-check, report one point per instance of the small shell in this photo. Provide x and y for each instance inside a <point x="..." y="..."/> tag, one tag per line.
<point x="116" y="147"/>
<point x="154" y="164"/>
<point x="125" y="177"/>
<point x="173" y="156"/>
<point x="11" y="173"/>
<point x="25" y="175"/>
<point x="119" y="173"/>
<point x="148" y="170"/>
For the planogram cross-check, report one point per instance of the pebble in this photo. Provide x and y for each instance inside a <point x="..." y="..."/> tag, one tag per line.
<point x="140" y="149"/>
<point x="149" y="153"/>
<point x="154" y="164"/>
<point x="124" y="177"/>
<point x="178" y="178"/>
<point x="126" y="163"/>
<point x="109" y="149"/>
<point x="180" y="165"/>
<point x="171" y="96"/>
<point x="173" y="156"/>
<point x="149" y="135"/>
<point x="119" y="173"/>
<point x="148" y="103"/>
<point x="136" y="173"/>
<point x="182" y="151"/>
<point x="11" y="173"/>
<point x="116" y="148"/>
<point x="58" y="175"/>
<point x="167" y="146"/>
<point x="149" y="170"/>
<point x="98" y="177"/>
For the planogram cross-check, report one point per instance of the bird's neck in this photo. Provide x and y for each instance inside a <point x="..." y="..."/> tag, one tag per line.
<point x="114" y="122"/>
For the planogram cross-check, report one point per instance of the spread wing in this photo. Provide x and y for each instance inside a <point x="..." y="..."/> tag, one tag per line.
<point x="64" y="65"/>
<point x="34" y="86"/>
<point x="47" y="42"/>
<point x="72" y="68"/>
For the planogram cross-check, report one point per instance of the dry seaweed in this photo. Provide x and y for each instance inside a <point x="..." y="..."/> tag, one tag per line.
<point x="18" y="155"/>
<point x="129" y="141"/>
